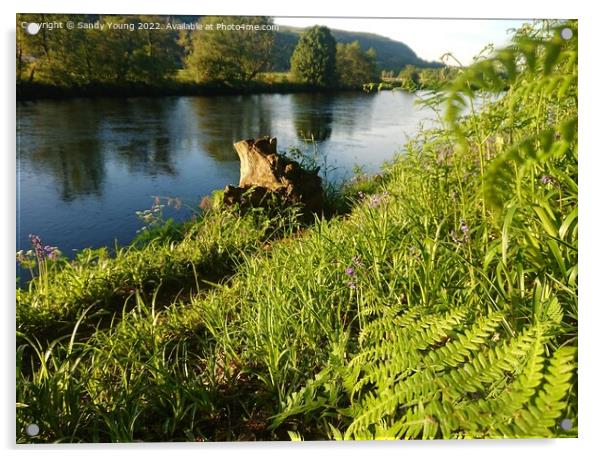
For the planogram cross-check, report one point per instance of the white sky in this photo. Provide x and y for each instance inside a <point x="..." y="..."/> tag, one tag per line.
<point x="429" y="38"/>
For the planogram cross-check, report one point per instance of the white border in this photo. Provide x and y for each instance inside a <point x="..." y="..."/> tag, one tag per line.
<point x="590" y="168"/>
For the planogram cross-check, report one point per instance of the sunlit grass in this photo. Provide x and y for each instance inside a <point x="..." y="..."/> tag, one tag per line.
<point x="436" y="308"/>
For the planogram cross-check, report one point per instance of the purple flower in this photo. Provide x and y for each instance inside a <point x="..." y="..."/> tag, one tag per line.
<point x="36" y="243"/>
<point x="377" y="199"/>
<point x="350" y="271"/>
<point x="43" y="251"/>
<point x="52" y="252"/>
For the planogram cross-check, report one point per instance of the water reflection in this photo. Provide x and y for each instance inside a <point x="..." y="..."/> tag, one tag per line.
<point x="47" y="141"/>
<point x="77" y="170"/>
<point x="225" y="120"/>
<point x="139" y="132"/>
<point x="150" y="157"/>
<point x="312" y="116"/>
<point x="352" y="111"/>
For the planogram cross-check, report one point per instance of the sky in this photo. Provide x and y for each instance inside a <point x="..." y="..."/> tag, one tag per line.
<point x="428" y="38"/>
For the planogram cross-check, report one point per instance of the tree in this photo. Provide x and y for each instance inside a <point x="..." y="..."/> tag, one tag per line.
<point x="65" y="57"/>
<point x="314" y="58"/>
<point x="354" y="66"/>
<point x="230" y="55"/>
<point x="409" y="78"/>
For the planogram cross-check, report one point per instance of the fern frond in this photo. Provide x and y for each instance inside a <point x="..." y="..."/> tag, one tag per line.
<point x="460" y="350"/>
<point x="508" y="168"/>
<point x="539" y="417"/>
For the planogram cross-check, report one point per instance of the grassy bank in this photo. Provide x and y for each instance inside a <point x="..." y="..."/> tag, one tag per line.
<point x="265" y="83"/>
<point x="31" y="91"/>
<point x="444" y="305"/>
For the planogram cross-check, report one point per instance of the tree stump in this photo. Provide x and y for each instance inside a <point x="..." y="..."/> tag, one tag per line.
<point x="265" y="173"/>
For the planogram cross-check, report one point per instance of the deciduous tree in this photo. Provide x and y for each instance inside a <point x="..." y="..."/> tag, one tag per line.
<point x="231" y="56"/>
<point x="314" y="58"/>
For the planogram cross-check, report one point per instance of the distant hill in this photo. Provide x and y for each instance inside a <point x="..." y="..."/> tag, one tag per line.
<point x="390" y="54"/>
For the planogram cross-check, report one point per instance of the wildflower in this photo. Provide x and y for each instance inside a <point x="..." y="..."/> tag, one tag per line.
<point x="361" y="195"/>
<point x="52" y="252"/>
<point x="40" y="251"/>
<point x="350" y="271"/>
<point x="377" y="199"/>
<point x="547" y="179"/>
<point x="36" y="243"/>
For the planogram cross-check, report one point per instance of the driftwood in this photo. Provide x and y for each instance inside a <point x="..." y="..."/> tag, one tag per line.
<point x="264" y="174"/>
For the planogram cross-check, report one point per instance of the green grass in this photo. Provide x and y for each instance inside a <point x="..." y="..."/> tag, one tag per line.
<point x="98" y="284"/>
<point x="444" y="305"/>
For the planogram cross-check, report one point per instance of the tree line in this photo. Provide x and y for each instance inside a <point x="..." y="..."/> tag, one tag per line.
<point x="412" y="78"/>
<point x="89" y="56"/>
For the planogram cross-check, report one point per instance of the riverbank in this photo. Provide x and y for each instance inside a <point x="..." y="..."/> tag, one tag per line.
<point x="33" y="91"/>
<point x="443" y="305"/>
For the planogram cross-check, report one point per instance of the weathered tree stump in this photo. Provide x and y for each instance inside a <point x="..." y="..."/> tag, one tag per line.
<point x="264" y="173"/>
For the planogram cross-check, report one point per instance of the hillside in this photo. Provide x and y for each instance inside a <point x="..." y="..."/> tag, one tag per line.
<point x="390" y="54"/>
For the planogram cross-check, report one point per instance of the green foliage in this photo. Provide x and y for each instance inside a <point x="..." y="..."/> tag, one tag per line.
<point x="217" y="54"/>
<point x="80" y="56"/>
<point x="447" y="376"/>
<point x="434" y="309"/>
<point x="314" y="59"/>
<point x="477" y="371"/>
<point x="355" y="67"/>
<point x="413" y="78"/>
<point x="208" y="251"/>
<point x="141" y="51"/>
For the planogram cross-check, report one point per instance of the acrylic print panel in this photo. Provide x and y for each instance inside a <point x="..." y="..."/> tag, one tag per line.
<point x="274" y="228"/>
